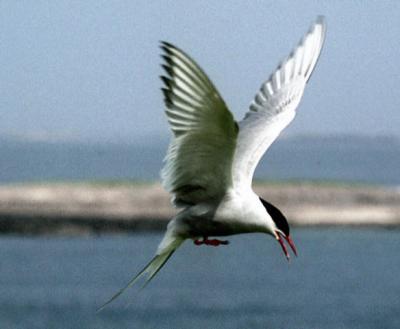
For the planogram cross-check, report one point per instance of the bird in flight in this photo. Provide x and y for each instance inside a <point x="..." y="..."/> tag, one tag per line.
<point x="211" y="159"/>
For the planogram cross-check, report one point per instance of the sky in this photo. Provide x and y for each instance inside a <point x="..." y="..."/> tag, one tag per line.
<point x="89" y="70"/>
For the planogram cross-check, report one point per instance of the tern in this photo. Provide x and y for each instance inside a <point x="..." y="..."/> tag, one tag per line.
<point x="211" y="159"/>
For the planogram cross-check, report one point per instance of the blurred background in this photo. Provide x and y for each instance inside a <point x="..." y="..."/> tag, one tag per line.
<point x="83" y="136"/>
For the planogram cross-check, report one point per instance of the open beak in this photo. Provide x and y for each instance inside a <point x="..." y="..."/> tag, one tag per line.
<point x="289" y="240"/>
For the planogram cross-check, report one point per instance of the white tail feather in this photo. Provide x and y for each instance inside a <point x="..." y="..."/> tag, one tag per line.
<point x="167" y="247"/>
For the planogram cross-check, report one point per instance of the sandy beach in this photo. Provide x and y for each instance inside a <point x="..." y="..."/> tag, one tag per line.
<point x="85" y="208"/>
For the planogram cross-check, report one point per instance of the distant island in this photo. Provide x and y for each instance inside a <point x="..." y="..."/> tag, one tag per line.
<point x="116" y="207"/>
<point x="113" y="190"/>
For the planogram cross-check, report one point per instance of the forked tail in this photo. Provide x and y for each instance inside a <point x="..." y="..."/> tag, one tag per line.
<point x="151" y="269"/>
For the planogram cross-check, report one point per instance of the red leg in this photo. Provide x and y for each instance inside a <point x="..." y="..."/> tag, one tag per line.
<point x="198" y="242"/>
<point x="212" y="242"/>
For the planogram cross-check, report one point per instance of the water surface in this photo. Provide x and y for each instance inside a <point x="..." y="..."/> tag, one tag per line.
<point x="349" y="159"/>
<point x="344" y="278"/>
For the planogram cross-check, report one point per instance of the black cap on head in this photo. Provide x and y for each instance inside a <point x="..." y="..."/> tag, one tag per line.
<point x="277" y="216"/>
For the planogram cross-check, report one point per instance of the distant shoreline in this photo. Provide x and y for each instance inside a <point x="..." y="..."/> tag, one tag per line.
<point x="78" y="208"/>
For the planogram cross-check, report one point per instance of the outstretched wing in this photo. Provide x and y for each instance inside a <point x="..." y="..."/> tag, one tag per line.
<point x="199" y="159"/>
<point x="274" y="106"/>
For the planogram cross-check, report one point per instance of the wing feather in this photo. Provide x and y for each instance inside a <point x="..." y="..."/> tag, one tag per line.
<point x="273" y="108"/>
<point x="199" y="159"/>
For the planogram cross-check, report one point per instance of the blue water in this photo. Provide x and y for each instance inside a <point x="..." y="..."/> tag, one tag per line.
<point x="344" y="278"/>
<point x="352" y="159"/>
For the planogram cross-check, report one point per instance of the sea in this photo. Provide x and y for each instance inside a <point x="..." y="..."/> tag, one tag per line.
<point x="343" y="278"/>
<point x="354" y="159"/>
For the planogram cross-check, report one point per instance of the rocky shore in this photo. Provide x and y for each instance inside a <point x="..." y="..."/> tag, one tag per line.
<point x="87" y="208"/>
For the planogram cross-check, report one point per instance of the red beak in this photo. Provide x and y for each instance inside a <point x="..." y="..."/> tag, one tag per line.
<point x="289" y="241"/>
<point x="291" y="244"/>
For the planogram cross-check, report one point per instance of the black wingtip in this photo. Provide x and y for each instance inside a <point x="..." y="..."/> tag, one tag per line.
<point x="166" y="94"/>
<point x="162" y="45"/>
<point x="164" y="48"/>
<point x="167" y="44"/>
<point x="167" y="47"/>
<point x="167" y="59"/>
<point x="167" y="82"/>
<point x="168" y="70"/>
